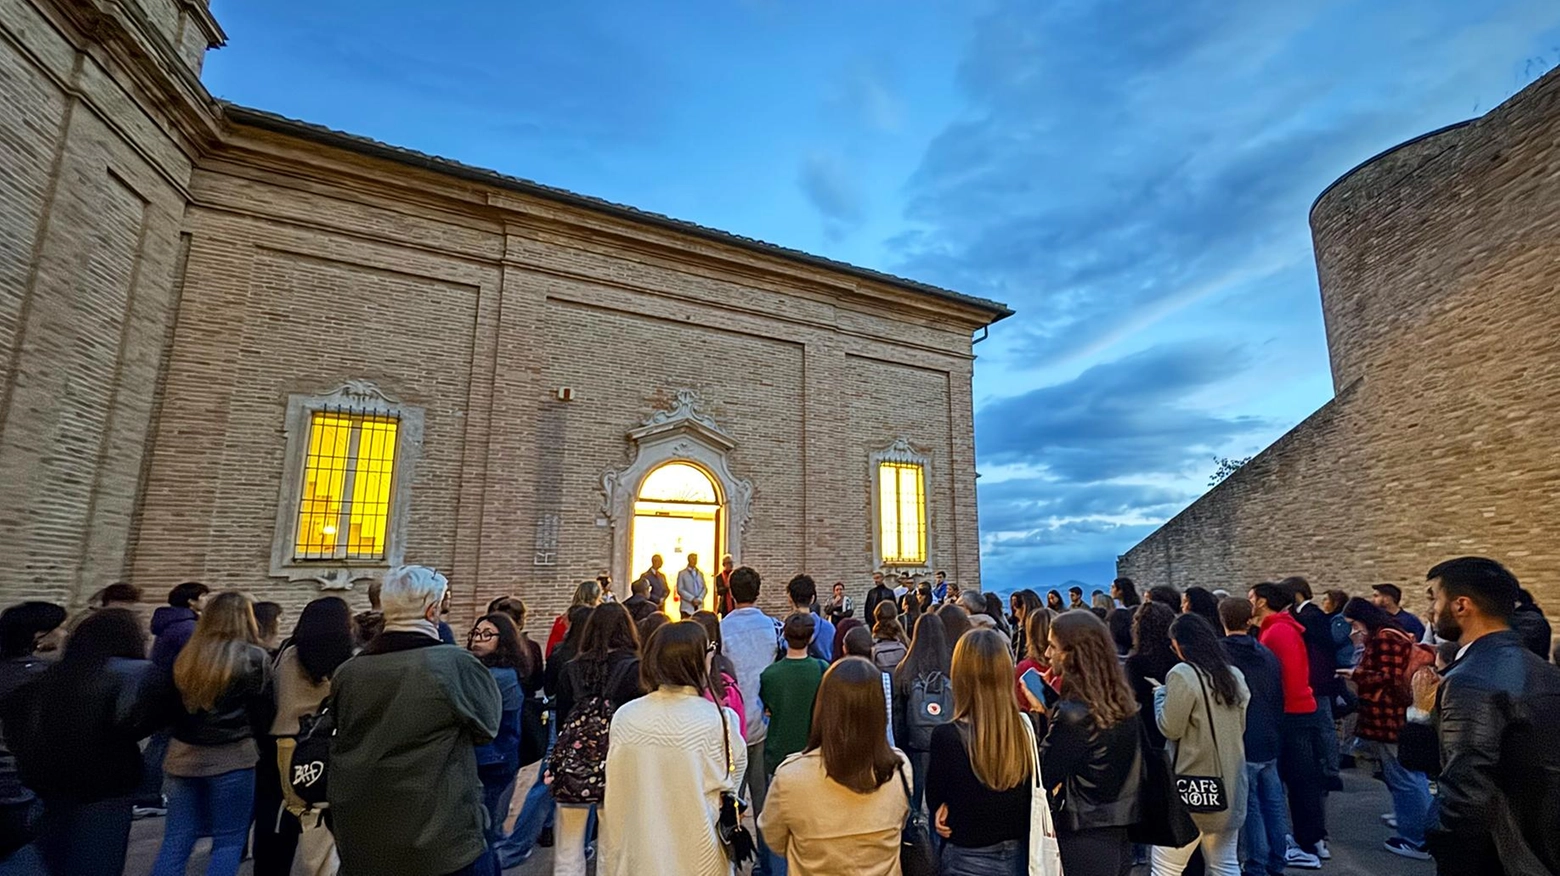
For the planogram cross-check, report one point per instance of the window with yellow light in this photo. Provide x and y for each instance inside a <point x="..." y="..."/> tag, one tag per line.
<point x="344" y="503"/>
<point x="902" y="513"/>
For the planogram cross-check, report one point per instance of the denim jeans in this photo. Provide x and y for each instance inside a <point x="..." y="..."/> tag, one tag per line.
<point x="757" y="781"/>
<point x="225" y="802"/>
<point x="151" y="790"/>
<point x="1410" y="791"/>
<point x="1267" y="821"/>
<point x="1003" y="859"/>
<point x="1299" y="765"/>
<point x="536" y="812"/>
<point x="84" y="839"/>
<point x="497" y="786"/>
<point x="920" y="762"/>
<point x="1327" y="743"/>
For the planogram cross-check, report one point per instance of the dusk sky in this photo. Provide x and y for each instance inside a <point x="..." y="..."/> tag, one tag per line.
<point x="1132" y="177"/>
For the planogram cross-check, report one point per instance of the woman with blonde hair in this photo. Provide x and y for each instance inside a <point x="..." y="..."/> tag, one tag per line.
<point x="1091" y="757"/>
<point x="839" y="805"/>
<point x="223" y="679"/>
<point x="978" y="780"/>
<point x="588" y="594"/>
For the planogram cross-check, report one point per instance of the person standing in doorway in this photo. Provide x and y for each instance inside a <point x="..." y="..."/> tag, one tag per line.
<point x="691" y="588"/>
<point x="657" y="581"/>
<point x="723" y="603"/>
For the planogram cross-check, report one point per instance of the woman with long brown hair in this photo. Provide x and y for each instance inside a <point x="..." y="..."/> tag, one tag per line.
<point x="1090" y="759"/>
<point x="670" y="756"/>
<point x="927" y="666"/>
<point x="222" y="676"/>
<point x="495" y="640"/>
<point x="837" y="807"/>
<point x="978" y="781"/>
<point x="889" y="643"/>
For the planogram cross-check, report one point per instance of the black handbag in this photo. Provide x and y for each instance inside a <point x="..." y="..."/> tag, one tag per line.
<point x="735" y="840"/>
<point x="916" y="855"/>
<point x="1204" y="793"/>
<point x="533" y="730"/>
<point x="1163" y="819"/>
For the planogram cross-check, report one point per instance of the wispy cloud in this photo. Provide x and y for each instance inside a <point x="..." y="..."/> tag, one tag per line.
<point x="831" y="190"/>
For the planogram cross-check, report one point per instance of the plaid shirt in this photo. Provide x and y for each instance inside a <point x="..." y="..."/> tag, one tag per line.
<point x="1382" y="710"/>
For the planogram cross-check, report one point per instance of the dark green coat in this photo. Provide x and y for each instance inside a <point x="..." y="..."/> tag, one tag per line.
<point x="404" y="793"/>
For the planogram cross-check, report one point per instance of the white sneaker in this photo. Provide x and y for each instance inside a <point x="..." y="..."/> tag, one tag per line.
<point x="1322" y="851"/>
<point x="1304" y="860"/>
<point x="1389" y="820"/>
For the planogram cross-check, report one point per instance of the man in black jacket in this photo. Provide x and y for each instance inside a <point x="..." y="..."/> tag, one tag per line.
<point x="880" y="592"/>
<point x="1496" y="714"/>
<point x="1321" y="652"/>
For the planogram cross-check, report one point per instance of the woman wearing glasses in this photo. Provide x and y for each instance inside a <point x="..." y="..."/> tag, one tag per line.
<point x="496" y="642"/>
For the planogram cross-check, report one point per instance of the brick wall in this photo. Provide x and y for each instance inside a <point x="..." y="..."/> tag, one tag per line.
<point x="308" y="268"/>
<point x="1440" y="277"/>
<point x="92" y="171"/>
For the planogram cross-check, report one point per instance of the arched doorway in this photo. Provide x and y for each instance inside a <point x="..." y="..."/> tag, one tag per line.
<point x="678" y="513"/>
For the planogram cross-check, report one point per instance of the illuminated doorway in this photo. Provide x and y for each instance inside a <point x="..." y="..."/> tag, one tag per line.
<point x="677" y="512"/>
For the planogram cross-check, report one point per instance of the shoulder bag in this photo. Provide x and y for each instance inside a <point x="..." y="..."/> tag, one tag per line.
<point x="917" y="857"/>
<point x="1163" y="819"/>
<point x="1045" y="853"/>
<point x="1203" y="793"/>
<point x="735" y="840"/>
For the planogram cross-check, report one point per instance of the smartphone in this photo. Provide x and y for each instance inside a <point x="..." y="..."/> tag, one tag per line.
<point x="1154" y="683"/>
<point x="1043" y="692"/>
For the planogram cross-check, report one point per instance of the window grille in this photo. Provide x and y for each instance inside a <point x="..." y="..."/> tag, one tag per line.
<point x="344" y="500"/>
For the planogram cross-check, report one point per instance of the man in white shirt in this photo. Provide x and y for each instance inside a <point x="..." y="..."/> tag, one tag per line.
<point x="751" y="640"/>
<point x="690" y="587"/>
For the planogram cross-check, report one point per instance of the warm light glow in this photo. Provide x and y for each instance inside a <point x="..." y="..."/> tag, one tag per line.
<point x="677" y="513"/>
<point x="902" y="513"/>
<point x="346" y="485"/>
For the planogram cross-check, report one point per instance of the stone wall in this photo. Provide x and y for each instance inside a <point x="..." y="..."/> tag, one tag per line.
<point x="1440" y="277"/>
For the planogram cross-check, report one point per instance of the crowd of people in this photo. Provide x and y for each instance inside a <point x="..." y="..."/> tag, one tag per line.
<point x="942" y="730"/>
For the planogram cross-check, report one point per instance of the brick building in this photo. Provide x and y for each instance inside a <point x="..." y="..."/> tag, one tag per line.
<point x="245" y="350"/>
<point x="1439" y="263"/>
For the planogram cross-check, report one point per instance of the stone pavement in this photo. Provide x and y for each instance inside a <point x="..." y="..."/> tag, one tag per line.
<point x="1353" y="818"/>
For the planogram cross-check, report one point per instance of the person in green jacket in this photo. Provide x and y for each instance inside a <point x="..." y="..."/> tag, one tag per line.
<point x="403" y="787"/>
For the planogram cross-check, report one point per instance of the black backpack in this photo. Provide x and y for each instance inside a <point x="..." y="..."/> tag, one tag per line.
<point x="930" y="705"/>
<point x="311" y="759"/>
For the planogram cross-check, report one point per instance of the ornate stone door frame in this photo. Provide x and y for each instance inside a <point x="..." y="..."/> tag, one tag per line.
<point x="682" y="434"/>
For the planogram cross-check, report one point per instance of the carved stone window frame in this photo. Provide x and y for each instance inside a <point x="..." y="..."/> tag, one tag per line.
<point x="356" y="397"/>
<point x="681" y="434"/>
<point x="900" y="451"/>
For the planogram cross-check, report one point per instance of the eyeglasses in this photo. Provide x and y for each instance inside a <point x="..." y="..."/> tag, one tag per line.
<point x="483" y="635"/>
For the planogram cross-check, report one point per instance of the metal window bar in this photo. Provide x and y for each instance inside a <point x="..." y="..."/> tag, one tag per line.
<point x="908" y="525"/>
<point x="337" y="518"/>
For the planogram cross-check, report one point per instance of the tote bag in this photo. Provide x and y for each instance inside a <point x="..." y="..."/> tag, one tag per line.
<point x="1045" y="854"/>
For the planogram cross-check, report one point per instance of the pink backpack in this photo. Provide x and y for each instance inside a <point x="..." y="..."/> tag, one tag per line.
<point x="733" y="701"/>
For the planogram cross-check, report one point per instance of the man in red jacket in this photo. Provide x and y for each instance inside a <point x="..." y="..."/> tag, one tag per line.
<point x="1299" y="763"/>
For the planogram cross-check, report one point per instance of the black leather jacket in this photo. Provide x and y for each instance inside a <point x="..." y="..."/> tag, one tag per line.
<point x="1100" y="771"/>
<point x="242" y="712"/>
<point x="1497" y="711"/>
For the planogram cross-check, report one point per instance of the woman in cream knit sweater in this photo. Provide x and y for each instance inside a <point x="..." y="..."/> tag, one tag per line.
<point x="670" y="755"/>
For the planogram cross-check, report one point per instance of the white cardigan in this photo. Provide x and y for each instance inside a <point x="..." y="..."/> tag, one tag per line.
<point x="666" y="769"/>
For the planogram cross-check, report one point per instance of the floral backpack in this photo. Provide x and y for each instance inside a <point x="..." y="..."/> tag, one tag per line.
<point x="579" y="759"/>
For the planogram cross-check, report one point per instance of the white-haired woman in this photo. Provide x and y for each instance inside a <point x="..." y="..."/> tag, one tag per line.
<point x="404" y="791"/>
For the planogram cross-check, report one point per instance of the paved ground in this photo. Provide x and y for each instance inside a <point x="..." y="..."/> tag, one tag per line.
<point x="1353" y="818"/>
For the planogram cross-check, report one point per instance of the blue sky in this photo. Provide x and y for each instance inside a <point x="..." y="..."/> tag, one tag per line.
<point x="1132" y="177"/>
